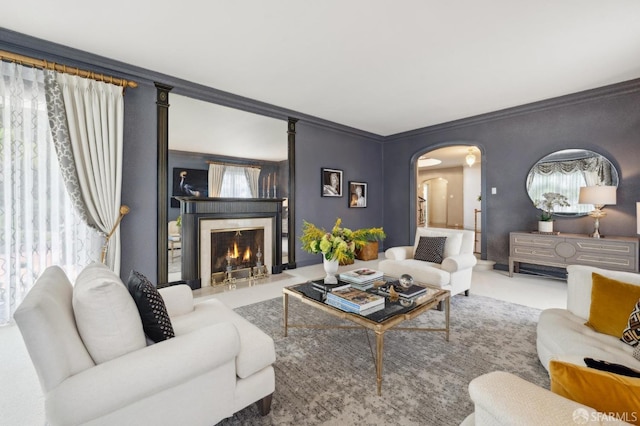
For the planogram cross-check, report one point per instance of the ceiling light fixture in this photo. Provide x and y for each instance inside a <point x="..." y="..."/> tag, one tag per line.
<point x="470" y="158"/>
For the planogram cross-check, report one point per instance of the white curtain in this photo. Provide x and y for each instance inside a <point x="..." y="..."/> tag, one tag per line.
<point x="216" y="174"/>
<point x="252" y="175"/>
<point x="95" y="114"/>
<point x="39" y="226"/>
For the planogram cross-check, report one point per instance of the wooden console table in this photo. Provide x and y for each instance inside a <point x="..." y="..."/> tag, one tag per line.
<point x="616" y="253"/>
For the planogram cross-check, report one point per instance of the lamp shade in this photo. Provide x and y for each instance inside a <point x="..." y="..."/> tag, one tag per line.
<point x="597" y="195"/>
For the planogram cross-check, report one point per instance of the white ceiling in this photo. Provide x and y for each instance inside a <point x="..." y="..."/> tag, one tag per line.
<point x="378" y="65"/>
<point x="203" y="127"/>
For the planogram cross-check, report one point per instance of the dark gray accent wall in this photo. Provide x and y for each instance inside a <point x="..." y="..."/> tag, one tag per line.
<point x="605" y="120"/>
<point x="139" y="185"/>
<point x="358" y="157"/>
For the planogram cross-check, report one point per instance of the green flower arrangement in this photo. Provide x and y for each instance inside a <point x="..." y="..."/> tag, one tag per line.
<point x="340" y="244"/>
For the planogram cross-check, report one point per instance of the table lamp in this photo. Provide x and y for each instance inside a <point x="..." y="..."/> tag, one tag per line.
<point x="599" y="196"/>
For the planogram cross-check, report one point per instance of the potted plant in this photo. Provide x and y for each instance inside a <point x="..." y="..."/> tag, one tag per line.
<point x="547" y="204"/>
<point x="337" y="246"/>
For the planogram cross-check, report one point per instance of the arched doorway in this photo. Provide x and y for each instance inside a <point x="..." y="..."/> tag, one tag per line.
<point x="449" y="189"/>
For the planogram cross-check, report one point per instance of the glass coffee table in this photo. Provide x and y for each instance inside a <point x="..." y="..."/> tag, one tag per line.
<point x="393" y="314"/>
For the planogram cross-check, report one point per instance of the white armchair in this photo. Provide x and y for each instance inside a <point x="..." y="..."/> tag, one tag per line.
<point x="453" y="274"/>
<point x="175" y="239"/>
<point x="502" y="398"/>
<point x="217" y="363"/>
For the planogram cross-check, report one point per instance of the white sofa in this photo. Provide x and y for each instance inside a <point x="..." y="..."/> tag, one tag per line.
<point x="453" y="274"/>
<point x="502" y="398"/>
<point x="562" y="335"/>
<point x="217" y="363"/>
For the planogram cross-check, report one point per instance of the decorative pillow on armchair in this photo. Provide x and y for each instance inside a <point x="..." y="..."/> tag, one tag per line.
<point x="430" y="249"/>
<point x="611" y="302"/>
<point x="107" y="318"/>
<point x="155" y="319"/>
<point x="606" y="392"/>
<point x="631" y="334"/>
<point x="452" y="246"/>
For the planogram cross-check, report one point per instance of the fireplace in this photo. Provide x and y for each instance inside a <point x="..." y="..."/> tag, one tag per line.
<point x="211" y="227"/>
<point x="236" y="250"/>
<point x="229" y="249"/>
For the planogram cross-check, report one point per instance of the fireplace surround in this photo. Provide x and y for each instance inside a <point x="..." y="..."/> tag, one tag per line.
<point x="202" y="215"/>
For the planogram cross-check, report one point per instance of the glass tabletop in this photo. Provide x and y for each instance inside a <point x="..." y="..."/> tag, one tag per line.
<point x="391" y="309"/>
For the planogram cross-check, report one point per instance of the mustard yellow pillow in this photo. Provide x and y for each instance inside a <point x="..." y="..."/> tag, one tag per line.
<point x="611" y="303"/>
<point x="606" y="392"/>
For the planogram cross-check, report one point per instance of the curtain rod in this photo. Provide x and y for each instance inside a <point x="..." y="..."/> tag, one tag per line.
<point x="233" y="164"/>
<point x="43" y="64"/>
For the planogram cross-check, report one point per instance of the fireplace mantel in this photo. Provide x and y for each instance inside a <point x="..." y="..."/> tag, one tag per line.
<point x="195" y="209"/>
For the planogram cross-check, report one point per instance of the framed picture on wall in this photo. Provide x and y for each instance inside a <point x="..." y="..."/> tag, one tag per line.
<point x="189" y="183"/>
<point x="357" y="194"/>
<point x="331" y="183"/>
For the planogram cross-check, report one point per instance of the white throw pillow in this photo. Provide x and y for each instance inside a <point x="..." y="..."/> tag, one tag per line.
<point x="106" y="315"/>
<point x="452" y="245"/>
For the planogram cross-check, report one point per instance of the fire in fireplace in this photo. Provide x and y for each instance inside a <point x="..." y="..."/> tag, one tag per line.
<point x="236" y="253"/>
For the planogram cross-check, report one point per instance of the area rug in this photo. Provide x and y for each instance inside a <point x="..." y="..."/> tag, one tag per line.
<point x="327" y="377"/>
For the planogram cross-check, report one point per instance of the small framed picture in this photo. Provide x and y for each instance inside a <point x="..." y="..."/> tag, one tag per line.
<point x="357" y="194"/>
<point x="331" y="183"/>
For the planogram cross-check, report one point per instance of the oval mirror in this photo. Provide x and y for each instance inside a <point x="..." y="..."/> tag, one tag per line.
<point x="564" y="172"/>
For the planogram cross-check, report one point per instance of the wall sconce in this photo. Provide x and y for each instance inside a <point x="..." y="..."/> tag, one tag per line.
<point x="599" y="196"/>
<point x="470" y="158"/>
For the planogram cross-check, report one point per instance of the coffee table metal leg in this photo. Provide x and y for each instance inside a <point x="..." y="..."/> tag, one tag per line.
<point x="285" y="306"/>
<point x="379" y="350"/>
<point x="446" y="314"/>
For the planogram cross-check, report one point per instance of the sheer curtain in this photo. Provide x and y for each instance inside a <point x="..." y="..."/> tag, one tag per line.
<point x="39" y="226"/>
<point x="235" y="183"/>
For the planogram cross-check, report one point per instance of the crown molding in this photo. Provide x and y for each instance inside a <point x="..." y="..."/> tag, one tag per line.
<point x="610" y="91"/>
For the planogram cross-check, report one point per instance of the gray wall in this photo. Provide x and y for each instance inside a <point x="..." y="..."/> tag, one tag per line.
<point x="605" y="120"/>
<point x="358" y="157"/>
<point x="139" y="184"/>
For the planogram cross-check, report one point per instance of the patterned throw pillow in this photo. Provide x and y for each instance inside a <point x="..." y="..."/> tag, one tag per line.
<point x="636" y="352"/>
<point x="430" y="249"/>
<point x="155" y="319"/>
<point x="631" y="334"/>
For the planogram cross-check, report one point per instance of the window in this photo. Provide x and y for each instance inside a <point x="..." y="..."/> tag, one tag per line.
<point x="235" y="183"/>
<point x="39" y="226"/>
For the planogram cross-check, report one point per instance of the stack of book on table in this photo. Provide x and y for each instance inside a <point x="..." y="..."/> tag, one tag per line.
<point x="362" y="278"/>
<point x="320" y="285"/>
<point x="356" y="301"/>
<point x="411" y="292"/>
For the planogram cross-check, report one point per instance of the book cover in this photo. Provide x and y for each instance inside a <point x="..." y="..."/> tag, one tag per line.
<point x="320" y="285"/>
<point x="361" y="275"/>
<point x="357" y="297"/>
<point x="336" y="303"/>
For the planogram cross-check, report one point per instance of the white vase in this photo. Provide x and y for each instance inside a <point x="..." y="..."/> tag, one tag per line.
<point x="545" y="226"/>
<point x="331" y="269"/>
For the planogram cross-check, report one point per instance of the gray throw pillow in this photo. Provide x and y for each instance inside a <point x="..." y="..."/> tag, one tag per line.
<point x="430" y="249"/>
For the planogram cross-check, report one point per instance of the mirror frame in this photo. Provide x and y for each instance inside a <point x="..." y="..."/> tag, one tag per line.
<point x="615" y="177"/>
<point x="162" y="102"/>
